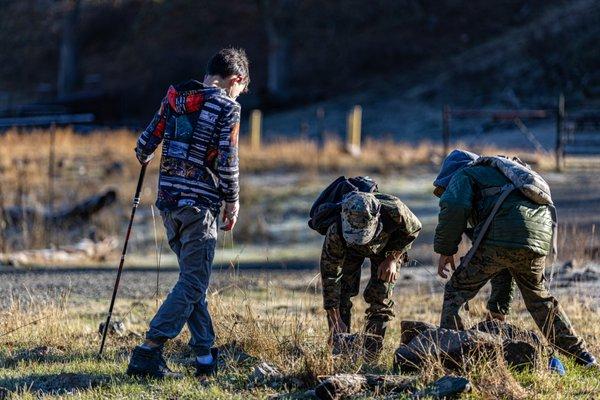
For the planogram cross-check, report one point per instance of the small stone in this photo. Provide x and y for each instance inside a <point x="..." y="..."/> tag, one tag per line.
<point x="445" y="387"/>
<point x="567" y="267"/>
<point x="114" y="328"/>
<point x="589" y="275"/>
<point x="340" y="386"/>
<point x="265" y="375"/>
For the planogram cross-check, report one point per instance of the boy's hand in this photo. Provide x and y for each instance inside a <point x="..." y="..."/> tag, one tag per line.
<point x="230" y="215"/>
<point x="143" y="158"/>
<point x="445" y="260"/>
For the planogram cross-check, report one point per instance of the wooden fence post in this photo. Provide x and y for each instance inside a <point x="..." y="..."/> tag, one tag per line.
<point x="255" y="129"/>
<point x="560" y="124"/>
<point x="353" y="130"/>
<point x="51" y="177"/>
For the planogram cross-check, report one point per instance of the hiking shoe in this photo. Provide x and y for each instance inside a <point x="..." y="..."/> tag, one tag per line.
<point x="343" y="343"/>
<point x="208" y="369"/>
<point x="150" y="363"/>
<point x="586" y="359"/>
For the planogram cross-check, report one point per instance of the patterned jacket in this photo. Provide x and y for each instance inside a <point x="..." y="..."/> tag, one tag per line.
<point x="398" y="228"/>
<point x="199" y="127"/>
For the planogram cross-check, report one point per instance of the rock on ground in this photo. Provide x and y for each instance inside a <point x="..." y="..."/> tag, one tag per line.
<point x="521" y="348"/>
<point x="265" y="375"/>
<point x="454" y="349"/>
<point x="446" y="387"/>
<point x="346" y="385"/>
<point x="422" y="342"/>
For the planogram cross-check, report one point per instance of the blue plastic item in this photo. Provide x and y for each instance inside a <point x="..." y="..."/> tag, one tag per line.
<point x="555" y="365"/>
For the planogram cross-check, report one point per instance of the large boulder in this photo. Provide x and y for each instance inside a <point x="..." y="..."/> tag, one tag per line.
<point x="454" y="349"/>
<point x="521" y="348"/>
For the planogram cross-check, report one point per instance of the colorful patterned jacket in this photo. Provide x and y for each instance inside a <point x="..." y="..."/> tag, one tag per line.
<point x="199" y="127"/>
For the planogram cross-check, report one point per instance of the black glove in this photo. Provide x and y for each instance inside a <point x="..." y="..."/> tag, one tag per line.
<point x="142" y="157"/>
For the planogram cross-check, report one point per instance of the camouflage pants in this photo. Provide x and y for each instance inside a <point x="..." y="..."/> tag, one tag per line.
<point x="503" y="292"/>
<point x="527" y="269"/>
<point x="378" y="294"/>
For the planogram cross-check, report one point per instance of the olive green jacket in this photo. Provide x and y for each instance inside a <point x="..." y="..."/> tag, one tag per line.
<point x="518" y="224"/>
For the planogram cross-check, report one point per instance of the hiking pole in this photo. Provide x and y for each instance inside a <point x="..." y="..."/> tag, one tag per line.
<point x="136" y="202"/>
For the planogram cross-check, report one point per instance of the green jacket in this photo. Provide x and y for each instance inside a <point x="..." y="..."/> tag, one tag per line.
<point x="518" y="224"/>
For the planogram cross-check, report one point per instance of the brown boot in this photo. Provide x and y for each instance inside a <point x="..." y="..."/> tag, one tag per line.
<point x="373" y="342"/>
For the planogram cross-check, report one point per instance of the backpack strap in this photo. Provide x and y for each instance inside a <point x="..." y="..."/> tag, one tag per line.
<point x="491" y="191"/>
<point x="506" y="190"/>
<point x="554" y="232"/>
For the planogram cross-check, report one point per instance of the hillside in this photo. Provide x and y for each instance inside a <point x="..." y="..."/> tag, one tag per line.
<point x="134" y="48"/>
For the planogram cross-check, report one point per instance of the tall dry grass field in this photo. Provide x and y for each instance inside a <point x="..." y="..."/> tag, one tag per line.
<point x="48" y="349"/>
<point x="44" y="171"/>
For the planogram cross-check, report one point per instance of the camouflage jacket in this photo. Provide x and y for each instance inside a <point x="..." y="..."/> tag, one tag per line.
<point x="398" y="228"/>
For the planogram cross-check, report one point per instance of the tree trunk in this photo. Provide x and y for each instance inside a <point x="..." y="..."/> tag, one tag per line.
<point x="277" y="49"/>
<point x="67" y="63"/>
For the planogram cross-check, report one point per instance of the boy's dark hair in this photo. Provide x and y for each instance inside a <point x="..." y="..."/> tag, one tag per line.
<point x="229" y="61"/>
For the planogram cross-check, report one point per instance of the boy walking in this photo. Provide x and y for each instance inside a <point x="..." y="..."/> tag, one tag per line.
<point x="198" y="124"/>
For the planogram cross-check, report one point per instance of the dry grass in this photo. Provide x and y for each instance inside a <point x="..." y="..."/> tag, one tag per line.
<point x="87" y="164"/>
<point x="282" y="326"/>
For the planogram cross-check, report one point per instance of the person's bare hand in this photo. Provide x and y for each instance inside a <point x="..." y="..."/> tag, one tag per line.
<point x="444" y="261"/>
<point x="230" y="215"/>
<point x="388" y="271"/>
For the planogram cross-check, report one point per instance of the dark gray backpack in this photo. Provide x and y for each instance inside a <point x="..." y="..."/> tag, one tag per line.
<point x="326" y="209"/>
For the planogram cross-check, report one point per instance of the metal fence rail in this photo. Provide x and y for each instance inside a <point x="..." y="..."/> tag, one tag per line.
<point x="577" y="133"/>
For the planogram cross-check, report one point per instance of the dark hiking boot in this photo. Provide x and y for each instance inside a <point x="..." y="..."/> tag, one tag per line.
<point x="150" y="363"/>
<point x="586" y="359"/>
<point x="373" y="342"/>
<point x="344" y="343"/>
<point x="208" y="369"/>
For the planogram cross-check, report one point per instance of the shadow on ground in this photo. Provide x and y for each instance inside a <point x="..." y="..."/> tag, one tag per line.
<point x="52" y="384"/>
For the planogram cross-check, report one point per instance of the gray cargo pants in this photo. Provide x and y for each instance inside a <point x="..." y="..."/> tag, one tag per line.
<point x="192" y="234"/>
